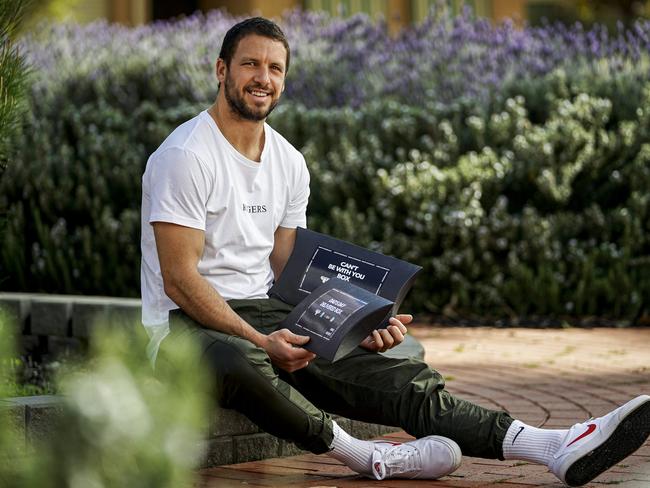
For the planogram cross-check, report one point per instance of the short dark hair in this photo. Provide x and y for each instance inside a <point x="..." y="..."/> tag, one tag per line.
<point x="257" y="26"/>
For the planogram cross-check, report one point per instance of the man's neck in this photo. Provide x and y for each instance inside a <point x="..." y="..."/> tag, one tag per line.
<point x="246" y="136"/>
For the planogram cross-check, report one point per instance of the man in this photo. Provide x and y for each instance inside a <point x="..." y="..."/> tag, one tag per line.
<point x="222" y="198"/>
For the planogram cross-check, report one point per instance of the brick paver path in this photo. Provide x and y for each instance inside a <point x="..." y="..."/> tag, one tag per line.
<point x="550" y="378"/>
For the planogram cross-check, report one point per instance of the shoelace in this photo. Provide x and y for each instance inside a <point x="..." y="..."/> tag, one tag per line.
<point x="402" y="459"/>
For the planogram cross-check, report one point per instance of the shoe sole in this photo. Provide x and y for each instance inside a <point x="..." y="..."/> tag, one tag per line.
<point x="629" y="436"/>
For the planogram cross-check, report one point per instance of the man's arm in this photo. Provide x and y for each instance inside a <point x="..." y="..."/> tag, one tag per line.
<point x="283" y="242"/>
<point x="179" y="251"/>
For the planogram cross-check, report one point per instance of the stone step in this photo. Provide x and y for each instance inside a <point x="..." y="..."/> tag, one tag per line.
<point x="64" y="322"/>
<point x="231" y="438"/>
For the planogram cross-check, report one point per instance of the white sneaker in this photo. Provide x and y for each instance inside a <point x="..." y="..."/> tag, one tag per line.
<point x="427" y="458"/>
<point x="596" y="445"/>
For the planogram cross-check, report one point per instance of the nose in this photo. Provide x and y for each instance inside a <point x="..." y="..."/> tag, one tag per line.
<point x="262" y="75"/>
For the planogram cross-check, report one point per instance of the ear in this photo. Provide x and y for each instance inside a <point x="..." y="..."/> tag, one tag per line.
<point x="221" y="70"/>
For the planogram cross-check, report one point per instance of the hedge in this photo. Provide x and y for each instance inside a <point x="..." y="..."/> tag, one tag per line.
<point x="548" y="219"/>
<point x="521" y="187"/>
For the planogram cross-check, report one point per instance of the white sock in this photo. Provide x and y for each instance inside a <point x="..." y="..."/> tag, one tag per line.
<point x="528" y="443"/>
<point x="355" y="453"/>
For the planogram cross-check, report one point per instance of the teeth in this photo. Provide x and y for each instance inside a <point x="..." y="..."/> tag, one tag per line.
<point x="258" y="93"/>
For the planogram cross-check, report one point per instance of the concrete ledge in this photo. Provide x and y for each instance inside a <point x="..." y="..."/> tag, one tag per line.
<point x="232" y="437"/>
<point x="53" y="325"/>
<point x="17" y="306"/>
<point x="50" y="316"/>
<point x="34" y="418"/>
<point x="91" y="312"/>
<point x="56" y="324"/>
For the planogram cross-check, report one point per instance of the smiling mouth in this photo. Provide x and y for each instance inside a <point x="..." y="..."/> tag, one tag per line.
<point x="258" y="93"/>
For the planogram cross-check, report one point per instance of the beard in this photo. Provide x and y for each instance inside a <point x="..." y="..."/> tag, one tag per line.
<point x="238" y="104"/>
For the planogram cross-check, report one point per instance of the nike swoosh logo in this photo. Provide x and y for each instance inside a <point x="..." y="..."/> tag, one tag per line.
<point x="590" y="429"/>
<point x="521" y="429"/>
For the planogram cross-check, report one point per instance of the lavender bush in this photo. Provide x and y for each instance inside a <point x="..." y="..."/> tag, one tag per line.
<point x="337" y="62"/>
<point x="508" y="163"/>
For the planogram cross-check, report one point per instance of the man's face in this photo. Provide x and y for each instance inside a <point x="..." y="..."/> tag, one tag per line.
<point x="254" y="80"/>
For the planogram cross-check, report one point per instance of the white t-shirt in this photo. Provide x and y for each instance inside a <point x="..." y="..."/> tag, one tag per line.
<point x="197" y="179"/>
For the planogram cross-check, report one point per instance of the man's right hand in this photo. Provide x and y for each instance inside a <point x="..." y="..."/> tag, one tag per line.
<point x="281" y="346"/>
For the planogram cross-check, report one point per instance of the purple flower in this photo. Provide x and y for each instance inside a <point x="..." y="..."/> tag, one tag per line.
<point x="339" y="61"/>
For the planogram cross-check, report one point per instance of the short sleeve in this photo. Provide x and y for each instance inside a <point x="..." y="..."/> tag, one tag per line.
<point x="179" y="186"/>
<point x="296" y="214"/>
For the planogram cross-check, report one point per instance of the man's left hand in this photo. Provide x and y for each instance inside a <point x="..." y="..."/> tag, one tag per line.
<point x="384" y="339"/>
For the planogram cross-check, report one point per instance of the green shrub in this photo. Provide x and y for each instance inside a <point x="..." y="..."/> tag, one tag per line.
<point x="73" y="195"/>
<point x="519" y="219"/>
<point x="13" y="74"/>
<point x="118" y="425"/>
<point x="507" y="216"/>
<point x="529" y="199"/>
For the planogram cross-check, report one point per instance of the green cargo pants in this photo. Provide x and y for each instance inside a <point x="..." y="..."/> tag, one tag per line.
<point x="363" y="385"/>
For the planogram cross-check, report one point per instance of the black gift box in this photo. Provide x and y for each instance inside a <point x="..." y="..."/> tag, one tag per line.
<point x="337" y="316"/>
<point x="371" y="286"/>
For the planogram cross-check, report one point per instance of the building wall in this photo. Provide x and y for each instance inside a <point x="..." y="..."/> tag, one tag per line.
<point x="90" y="9"/>
<point x="265" y="8"/>
<point x="130" y="12"/>
<point x="513" y="9"/>
<point x="397" y="13"/>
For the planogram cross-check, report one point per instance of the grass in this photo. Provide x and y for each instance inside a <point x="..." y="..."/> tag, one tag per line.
<point x="13" y="389"/>
<point x="567" y="350"/>
<point x="531" y="365"/>
<point x="24" y="377"/>
<point x="617" y="352"/>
